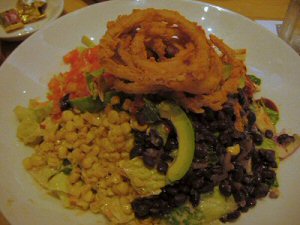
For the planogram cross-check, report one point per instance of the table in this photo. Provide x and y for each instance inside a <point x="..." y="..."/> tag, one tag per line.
<point x="254" y="9"/>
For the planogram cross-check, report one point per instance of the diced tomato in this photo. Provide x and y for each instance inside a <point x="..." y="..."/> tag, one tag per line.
<point x="74" y="81"/>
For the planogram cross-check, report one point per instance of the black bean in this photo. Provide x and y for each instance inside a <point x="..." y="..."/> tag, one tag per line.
<point x="209" y="115"/>
<point x="238" y="173"/>
<point x="257" y="138"/>
<point x="268" y="134"/>
<point x="171" y="190"/>
<point x="225" y="188"/>
<point x="194" y="197"/>
<point x="238" y="135"/>
<point x="148" y="161"/>
<point x="251" y="202"/>
<point x="65" y="103"/>
<point x="162" y="167"/>
<point x="201" y="150"/>
<point x="239" y="196"/>
<point x="220" y="149"/>
<point x="268" y="155"/>
<point x="261" y="190"/>
<point x="221" y="116"/>
<point x="244" y="208"/>
<point x="166" y="157"/>
<point x="171" y="144"/>
<point x="207" y="187"/>
<point x="251" y="118"/>
<point x="222" y="125"/>
<point x="225" y="139"/>
<point x="229" y="111"/>
<point x="185" y="189"/>
<point x="268" y="176"/>
<point x="155" y="139"/>
<point x="214" y="126"/>
<point x="199" y="137"/>
<point x="248" y="179"/>
<point x="285" y="139"/>
<point x="180" y="198"/>
<point x="233" y="216"/>
<point x="136" y="151"/>
<point x="210" y="139"/>
<point x="198" y="182"/>
<point x="140" y="209"/>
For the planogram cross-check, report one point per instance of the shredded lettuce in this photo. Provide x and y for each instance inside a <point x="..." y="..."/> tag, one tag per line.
<point x="212" y="207"/>
<point x="274" y="116"/>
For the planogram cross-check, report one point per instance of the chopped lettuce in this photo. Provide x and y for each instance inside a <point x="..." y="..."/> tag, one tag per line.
<point x="29" y="130"/>
<point x="212" y="207"/>
<point x="149" y="113"/>
<point x="90" y="79"/>
<point x="274" y="116"/>
<point x="145" y="181"/>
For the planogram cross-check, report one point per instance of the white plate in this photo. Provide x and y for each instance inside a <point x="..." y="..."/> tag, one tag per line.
<point x="53" y="11"/>
<point x="25" y="74"/>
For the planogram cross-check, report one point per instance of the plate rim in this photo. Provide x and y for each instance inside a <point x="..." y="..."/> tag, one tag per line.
<point x="85" y="8"/>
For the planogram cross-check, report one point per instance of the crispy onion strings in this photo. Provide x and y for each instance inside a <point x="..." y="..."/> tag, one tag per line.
<point x="155" y="50"/>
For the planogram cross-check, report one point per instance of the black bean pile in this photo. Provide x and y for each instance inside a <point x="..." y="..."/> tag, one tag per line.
<point x="150" y="147"/>
<point x="247" y="176"/>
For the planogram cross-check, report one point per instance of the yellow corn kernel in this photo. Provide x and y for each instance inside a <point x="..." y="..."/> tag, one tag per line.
<point x="87" y="162"/>
<point x="114" y="157"/>
<point x="90" y="136"/>
<point x="129" y="145"/>
<point x="95" y="150"/>
<point x="115" y="178"/>
<point x="71" y="137"/>
<point x="82" y="204"/>
<point x="37" y="160"/>
<point x="88" y="196"/>
<point x="75" y="191"/>
<point x="76" y="155"/>
<point x="121" y="188"/>
<point x="78" y="122"/>
<point x="127" y="104"/>
<point x="97" y="121"/>
<point x="115" y="100"/>
<point x="85" y="148"/>
<point x="27" y="163"/>
<point x="137" y="126"/>
<point x="233" y="150"/>
<point x="124" y="155"/>
<point x="113" y="117"/>
<point x="49" y="136"/>
<point x="70" y="126"/>
<point x="67" y="115"/>
<point x="46" y="146"/>
<point x="106" y="144"/>
<point x="125" y="127"/>
<point x="53" y="162"/>
<point x="74" y="177"/>
<point x="126" y="208"/>
<point x="106" y="123"/>
<point x="62" y="152"/>
<point x="124" y="117"/>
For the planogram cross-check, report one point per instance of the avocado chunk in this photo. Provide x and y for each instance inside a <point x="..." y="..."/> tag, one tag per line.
<point x="186" y="139"/>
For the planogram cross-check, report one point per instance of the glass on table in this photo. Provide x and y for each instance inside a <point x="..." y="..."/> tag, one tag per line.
<point x="290" y="30"/>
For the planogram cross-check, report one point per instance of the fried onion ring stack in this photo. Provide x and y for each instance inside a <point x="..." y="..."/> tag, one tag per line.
<point x="155" y="50"/>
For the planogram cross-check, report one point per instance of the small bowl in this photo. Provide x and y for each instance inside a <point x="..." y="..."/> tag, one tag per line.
<point x="53" y="11"/>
